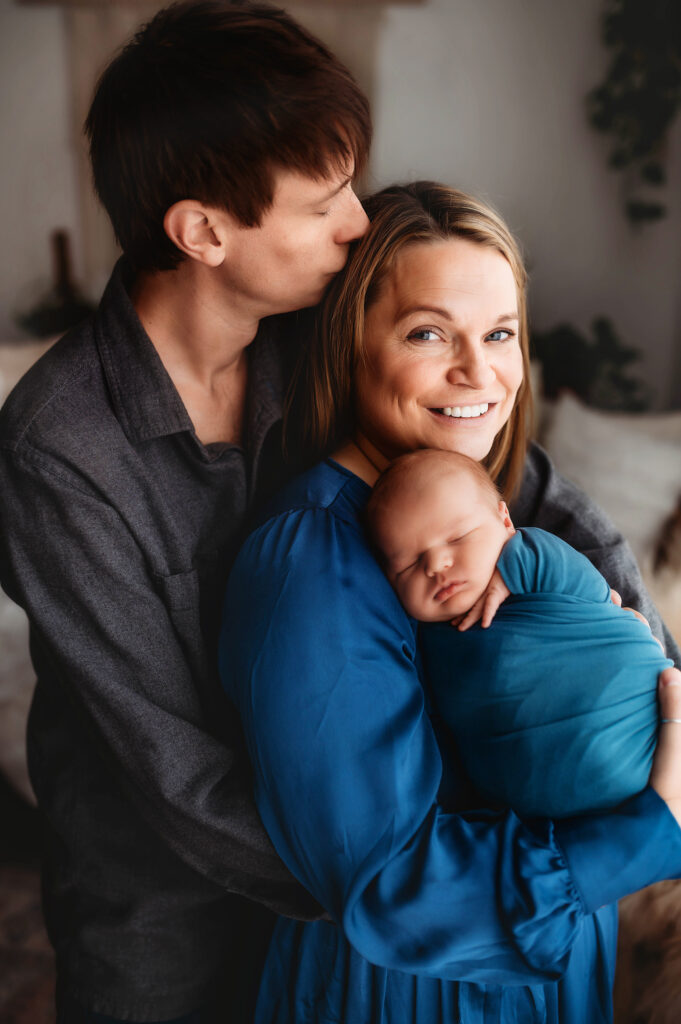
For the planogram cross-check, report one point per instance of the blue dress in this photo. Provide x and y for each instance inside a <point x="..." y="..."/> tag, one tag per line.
<point x="437" y="916"/>
<point x="553" y="709"/>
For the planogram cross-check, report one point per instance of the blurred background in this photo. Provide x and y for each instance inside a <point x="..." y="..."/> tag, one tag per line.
<point x="563" y="115"/>
<point x="489" y="95"/>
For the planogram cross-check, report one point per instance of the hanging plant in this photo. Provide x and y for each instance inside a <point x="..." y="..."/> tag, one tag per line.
<point x="599" y="370"/>
<point x="640" y="97"/>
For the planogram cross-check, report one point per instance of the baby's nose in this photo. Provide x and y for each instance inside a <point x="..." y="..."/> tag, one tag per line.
<point x="439" y="560"/>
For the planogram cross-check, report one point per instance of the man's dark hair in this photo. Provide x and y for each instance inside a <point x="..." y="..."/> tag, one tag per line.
<point x="206" y="102"/>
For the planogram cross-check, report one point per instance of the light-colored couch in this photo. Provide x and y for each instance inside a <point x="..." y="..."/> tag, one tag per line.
<point x="630" y="465"/>
<point x="16" y="672"/>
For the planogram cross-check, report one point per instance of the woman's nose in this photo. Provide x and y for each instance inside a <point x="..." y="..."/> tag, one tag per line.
<point x="471" y="367"/>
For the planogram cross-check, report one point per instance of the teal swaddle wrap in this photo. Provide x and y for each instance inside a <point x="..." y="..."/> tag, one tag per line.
<point x="554" y="707"/>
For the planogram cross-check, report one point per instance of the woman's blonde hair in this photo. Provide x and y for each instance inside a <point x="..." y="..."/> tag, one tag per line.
<point x="401" y="215"/>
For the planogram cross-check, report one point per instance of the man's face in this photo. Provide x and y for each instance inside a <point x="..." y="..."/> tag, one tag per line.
<point x="301" y="242"/>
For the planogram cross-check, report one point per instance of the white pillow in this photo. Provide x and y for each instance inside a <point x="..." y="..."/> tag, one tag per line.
<point x="629" y="464"/>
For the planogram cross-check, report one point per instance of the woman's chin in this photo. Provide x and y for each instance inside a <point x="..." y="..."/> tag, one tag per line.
<point x="476" y="448"/>
<point x="471" y="437"/>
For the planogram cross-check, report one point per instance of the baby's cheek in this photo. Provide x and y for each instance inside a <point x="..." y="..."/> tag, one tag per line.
<point x="407" y="592"/>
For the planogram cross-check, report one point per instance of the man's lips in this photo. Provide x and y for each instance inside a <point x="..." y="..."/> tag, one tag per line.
<point x="444" y="593"/>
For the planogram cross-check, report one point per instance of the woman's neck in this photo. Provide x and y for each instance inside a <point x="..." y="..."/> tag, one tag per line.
<point x="362" y="458"/>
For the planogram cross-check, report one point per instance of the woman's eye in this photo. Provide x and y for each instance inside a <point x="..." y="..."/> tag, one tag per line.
<point x="423" y="334"/>
<point x="501" y="335"/>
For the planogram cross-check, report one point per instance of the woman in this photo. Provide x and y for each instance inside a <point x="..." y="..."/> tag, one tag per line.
<point x="439" y="916"/>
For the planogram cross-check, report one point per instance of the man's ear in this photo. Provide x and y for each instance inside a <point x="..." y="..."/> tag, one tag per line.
<point x="505" y="518"/>
<point x="198" y="231"/>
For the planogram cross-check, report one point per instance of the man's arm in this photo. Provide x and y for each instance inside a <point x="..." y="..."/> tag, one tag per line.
<point x="100" y="618"/>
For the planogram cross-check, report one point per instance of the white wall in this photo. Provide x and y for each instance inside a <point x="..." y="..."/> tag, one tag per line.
<point x="37" y="167"/>
<point x="486" y="94"/>
<point x="490" y="96"/>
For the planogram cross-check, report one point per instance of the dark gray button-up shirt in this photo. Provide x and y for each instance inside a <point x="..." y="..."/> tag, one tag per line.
<point x="117" y="527"/>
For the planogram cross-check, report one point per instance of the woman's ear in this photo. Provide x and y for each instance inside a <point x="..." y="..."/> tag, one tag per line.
<point x="198" y="231"/>
<point x="506" y="518"/>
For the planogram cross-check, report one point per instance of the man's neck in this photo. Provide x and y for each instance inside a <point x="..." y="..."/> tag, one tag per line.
<point x="201" y="339"/>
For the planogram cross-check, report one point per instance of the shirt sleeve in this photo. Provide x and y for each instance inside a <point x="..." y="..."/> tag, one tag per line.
<point x="320" y="659"/>
<point x="101" y="624"/>
<point x="534" y="561"/>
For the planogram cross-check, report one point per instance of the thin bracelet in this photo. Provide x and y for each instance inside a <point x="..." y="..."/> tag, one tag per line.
<point x="663" y="721"/>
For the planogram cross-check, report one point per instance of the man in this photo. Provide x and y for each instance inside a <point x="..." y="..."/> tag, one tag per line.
<point x="224" y="141"/>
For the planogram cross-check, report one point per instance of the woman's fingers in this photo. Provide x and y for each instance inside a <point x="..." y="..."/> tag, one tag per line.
<point x="616" y="599"/>
<point x="645" y="623"/>
<point x="639" y="616"/>
<point x="665" y="777"/>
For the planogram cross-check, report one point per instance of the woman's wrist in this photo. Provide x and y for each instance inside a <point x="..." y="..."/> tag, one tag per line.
<point x="665" y="777"/>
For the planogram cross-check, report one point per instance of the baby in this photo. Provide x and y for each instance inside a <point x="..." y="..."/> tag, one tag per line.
<point x="553" y="708"/>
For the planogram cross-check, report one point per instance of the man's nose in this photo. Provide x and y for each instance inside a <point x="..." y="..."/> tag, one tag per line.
<point x="471" y="367"/>
<point x="355" y="222"/>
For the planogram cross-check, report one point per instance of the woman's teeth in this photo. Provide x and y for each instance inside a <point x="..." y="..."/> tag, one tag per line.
<point x="466" y="411"/>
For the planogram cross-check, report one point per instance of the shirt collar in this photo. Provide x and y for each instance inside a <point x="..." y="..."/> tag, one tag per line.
<point x="143" y="395"/>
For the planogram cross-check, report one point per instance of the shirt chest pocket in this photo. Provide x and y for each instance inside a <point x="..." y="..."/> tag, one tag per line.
<point x="181" y="594"/>
<point x="180" y="590"/>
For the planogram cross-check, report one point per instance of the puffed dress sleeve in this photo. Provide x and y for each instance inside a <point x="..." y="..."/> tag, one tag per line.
<point x="320" y="659"/>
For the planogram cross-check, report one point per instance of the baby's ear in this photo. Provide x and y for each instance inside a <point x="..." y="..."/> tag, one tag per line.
<point x="506" y="518"/>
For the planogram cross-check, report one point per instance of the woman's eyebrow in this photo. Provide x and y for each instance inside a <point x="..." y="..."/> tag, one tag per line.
<point x="408" y="310"/>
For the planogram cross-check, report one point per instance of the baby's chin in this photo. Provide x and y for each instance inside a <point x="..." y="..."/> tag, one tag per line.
<point x="436" y="614"/>
<point x="447" y="611"/>
<point x="442" y="617"/>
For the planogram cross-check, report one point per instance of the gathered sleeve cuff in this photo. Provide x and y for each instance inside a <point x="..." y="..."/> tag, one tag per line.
<point x="645" y="836"/>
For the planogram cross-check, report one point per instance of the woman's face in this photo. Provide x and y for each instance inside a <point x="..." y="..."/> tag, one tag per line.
<point x="443" y="361"/>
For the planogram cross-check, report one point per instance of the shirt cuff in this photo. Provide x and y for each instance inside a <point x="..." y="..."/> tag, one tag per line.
<point x="612" y="855"/>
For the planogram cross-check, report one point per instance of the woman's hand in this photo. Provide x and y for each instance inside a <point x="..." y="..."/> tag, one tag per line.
<point x="487" y="604"/>
<point x="616" y="599"/>
<point x="665" y="778"/>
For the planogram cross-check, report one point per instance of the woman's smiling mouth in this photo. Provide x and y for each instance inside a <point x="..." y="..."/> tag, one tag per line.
<point x="464" y="412"/>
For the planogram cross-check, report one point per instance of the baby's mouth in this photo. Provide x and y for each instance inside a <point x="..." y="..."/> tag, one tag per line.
<point x="444" y="593"/>
<point x="464" y="412"/>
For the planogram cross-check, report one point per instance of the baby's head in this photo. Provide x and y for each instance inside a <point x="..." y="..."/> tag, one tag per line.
<point x="439" y="525"/>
